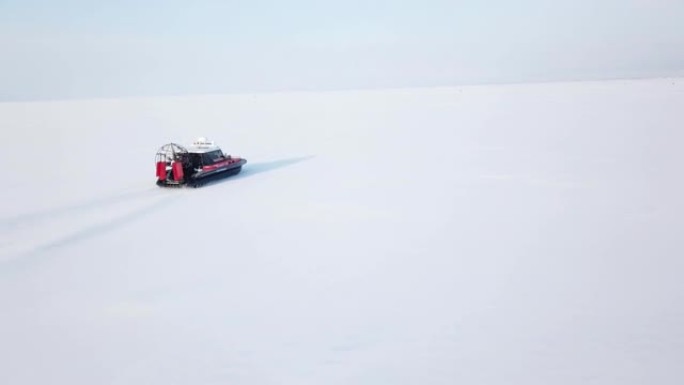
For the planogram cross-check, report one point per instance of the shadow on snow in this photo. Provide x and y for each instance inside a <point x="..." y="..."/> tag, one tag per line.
<point x="24" y="259"/>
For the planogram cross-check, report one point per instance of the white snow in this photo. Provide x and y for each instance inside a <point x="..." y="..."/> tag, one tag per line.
<point x="507" y="234"/>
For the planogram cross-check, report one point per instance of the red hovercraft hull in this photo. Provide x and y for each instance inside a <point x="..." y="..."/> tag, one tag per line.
<point x="194" y="166"/>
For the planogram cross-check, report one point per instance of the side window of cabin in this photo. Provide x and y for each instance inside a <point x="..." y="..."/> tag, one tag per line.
<point x="207" y="158"/>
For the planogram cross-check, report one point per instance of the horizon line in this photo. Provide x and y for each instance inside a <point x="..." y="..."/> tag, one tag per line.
<point x="170" y="95"/>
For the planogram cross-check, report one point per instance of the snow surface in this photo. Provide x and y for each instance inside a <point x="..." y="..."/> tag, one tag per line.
<point x="510" y="234"/>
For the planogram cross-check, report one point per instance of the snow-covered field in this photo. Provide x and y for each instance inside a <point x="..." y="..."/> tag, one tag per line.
<point x="509" y="234"/>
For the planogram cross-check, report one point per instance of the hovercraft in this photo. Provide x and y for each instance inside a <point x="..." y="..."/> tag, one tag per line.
<point x="194" y="165"/>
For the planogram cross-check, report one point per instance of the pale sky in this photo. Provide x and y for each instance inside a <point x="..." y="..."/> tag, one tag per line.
<point x="80" y="49"/>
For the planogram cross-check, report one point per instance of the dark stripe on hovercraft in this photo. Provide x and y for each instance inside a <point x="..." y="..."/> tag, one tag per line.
<point x="214" y="176"/>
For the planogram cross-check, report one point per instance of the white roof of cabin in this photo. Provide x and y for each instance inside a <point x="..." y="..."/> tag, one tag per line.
<point x="202" y="145"/>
